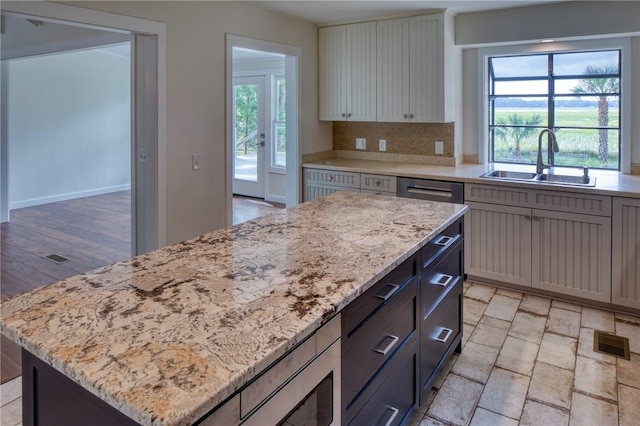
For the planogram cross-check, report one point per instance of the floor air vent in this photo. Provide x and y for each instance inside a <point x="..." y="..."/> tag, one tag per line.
<point x="56" y="258"/>
<point x="612" y="345"/>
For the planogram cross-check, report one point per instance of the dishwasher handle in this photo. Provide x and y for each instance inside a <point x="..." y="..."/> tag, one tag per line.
<point x="425" y="189"/>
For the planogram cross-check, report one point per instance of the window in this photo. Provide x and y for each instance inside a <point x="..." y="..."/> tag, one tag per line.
<point x="279" y="128"/>
<point x="576" y="94"/>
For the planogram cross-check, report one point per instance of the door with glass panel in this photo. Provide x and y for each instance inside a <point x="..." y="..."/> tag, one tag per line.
<point x="248" y="136"/>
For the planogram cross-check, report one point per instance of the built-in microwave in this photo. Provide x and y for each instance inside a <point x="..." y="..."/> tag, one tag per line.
<point x="303" y="388"/>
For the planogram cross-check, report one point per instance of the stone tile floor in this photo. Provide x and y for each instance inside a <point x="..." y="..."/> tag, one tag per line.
<point x="529" y="360"/>
<point x="526" y="360"/>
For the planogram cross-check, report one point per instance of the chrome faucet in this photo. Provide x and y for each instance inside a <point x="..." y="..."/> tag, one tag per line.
<point x="551" y="148"/>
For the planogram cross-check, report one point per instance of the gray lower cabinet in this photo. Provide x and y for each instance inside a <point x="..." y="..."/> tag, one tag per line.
<point x="398" y="334"/>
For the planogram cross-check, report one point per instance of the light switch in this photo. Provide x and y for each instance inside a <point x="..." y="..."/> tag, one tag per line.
<point x="195" y="162"/>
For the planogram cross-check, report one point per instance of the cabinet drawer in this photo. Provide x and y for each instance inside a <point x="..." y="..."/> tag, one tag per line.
<point x="440" y="277"/>
<point x="332" y="177"/>
<point x="397" y="394"/>
<point x="377" y="340"/>
<point x="599" y="205"/>
<point x="511" y="196"/>
<point x="441" y="243"/>
<point x="377" y="296"/>
<point x="378" y="183"/>
<point x="439" y="331"/>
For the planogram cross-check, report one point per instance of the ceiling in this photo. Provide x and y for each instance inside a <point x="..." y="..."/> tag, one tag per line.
<point x="333" y="12"/>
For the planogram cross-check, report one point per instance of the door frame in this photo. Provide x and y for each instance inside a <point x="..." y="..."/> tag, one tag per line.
<point x="148" y="61"/>
<point x="261" y="181"/>
<point x="292" y="101"/>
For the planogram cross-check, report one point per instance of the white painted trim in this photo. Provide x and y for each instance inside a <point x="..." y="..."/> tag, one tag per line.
<point x="4" y="144"/>
<point x="48" y="11"/>
<point x="292" y="72"/>
<point x="68" y="196"/>
<point x="275" y="199"/>
<point x="606" y="43"/>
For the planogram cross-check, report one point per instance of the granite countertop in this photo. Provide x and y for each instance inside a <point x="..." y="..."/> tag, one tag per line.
<point x="168" y="335"/>
<point x="607" y="182"/>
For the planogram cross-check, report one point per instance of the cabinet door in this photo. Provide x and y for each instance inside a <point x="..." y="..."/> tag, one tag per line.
<point x="393" y="70"/>
<point x="626" y="252"/>
<point x="426" y="80"/>
<point x="498" y="243"/>
<point x="332" y="76"/>
<point x="361" y="72"/>
<point x="572" y="254"/>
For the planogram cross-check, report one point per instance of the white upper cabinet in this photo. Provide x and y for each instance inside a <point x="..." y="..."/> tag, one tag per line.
<point x="393" y="70"/>
<point x="347" y="72"/>
<point x="417" y="62"/>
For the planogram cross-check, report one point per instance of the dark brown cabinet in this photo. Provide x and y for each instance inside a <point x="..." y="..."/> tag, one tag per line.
<point x="398" y="334"/>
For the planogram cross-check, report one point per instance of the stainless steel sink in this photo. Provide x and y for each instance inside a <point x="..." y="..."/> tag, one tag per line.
<point x="567" y="179"/>
<point x="550" y="178"/>
<point x="506" y="174"/>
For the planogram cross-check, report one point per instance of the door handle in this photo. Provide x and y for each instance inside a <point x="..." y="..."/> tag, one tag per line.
<point x="394" y="288"/>
<point x="447" y="333"/>
<point x="394" y="340"/>
<point x="260" y="143"/>
<point x="442" y="279"/>
<point x="394" y="413"/>
<point x="443" y="240"/>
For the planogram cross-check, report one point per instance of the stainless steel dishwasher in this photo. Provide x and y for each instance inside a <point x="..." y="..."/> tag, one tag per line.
<point x="428" y="189"/>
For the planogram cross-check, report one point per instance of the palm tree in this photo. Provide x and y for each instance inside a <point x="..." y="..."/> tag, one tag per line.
<point x="601" y="86"/>
<point x="506" y="132"/>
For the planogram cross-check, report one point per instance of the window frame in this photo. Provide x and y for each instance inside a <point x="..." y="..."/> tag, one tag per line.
<point x="622" y="44"/>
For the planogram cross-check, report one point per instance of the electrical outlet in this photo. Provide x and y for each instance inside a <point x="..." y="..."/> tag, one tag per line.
<point x="439" y="148"/>
<point x="382" y="144"/>
<point x="195" y="162"/>
<point x="361" y="143"/>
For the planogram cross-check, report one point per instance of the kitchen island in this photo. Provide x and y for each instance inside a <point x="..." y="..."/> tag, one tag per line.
<point x="167" y="336"/>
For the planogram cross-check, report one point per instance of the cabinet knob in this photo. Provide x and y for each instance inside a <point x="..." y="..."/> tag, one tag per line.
<point x="405" y="116"/>
<point x="536" y="218"/>
<point x="410" y="115"/>
<point x="343" y="114"/>
<point x="527" y="217"/>
<point x="348" y="114"/>
<point x="378" y="183"/>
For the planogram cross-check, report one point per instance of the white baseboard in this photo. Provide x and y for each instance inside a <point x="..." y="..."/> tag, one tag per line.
<point x="69" y="196"/>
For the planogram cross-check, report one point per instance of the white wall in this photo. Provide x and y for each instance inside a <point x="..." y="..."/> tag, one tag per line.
<point x="571" y="21"/>
<point x="68" y="125"/>
<point x="196" y="98"/>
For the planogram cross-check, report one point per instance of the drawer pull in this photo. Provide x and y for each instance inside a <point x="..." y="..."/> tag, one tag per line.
<point x="444" y="339"/>
<point x="394" y="340"/>
<point x="442" y="279"/>
<point x="443" y="240"/>
<point x="394" y="288"/>
<point x="394" y="413"/>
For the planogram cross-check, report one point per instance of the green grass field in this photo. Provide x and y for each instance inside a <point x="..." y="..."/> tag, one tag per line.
<point x="578" y="147"/>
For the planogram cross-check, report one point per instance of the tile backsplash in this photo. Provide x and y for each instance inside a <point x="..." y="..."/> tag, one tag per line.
<point x="402" y="138"/>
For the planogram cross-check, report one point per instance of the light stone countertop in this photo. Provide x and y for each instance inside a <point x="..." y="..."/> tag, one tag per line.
<point x="168" y="335"/>
<point x="607" y="182"/>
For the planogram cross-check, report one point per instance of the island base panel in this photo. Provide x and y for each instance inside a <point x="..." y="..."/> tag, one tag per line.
<point x="49" y="398"/>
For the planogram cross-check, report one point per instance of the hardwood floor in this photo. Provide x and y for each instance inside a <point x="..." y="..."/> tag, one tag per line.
<point x="91" y="232"/>
<point x="246" y="208"/>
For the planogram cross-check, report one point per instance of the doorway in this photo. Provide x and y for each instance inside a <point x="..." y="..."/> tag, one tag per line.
<point x="249" y="136"/>
<point x="262" y="121"/>
<point x="143" y="204"/>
